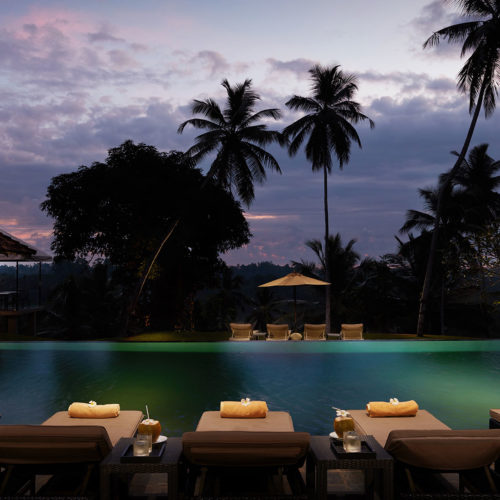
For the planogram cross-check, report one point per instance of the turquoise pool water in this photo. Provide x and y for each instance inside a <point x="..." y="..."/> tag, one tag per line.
<point x="456" y="381"/>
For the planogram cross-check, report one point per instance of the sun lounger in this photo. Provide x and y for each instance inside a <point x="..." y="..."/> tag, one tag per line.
<point x="424" y="448"/>
<point x="62" y="447"/>
<point x="423" y="455"/>
<point x="494" y="419"/>
<point x="69" y="453"/>
<point x="380" y="427"/>
<point x="241" y="331"/>
<point x="240" y="445"/>
<point x="124" y="425"/>
<point x="314" y="332"/>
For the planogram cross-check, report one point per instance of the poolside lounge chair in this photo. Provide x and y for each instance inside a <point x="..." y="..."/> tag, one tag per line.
<point x="495" y="419"/>
<point x="380" y="427"/>
<point x="423" y="455"/>
<point x="124" y="425"/>
<point x="68" y="449"/>
<point x="277" y="332"/>
<point x="424" y="447"/>
<point x="70" y="454"/>
<point x="241" y="331"/>
<point x="314" y="332"/>
<point x="242" y="446"/>
<point x="351" y="331"/>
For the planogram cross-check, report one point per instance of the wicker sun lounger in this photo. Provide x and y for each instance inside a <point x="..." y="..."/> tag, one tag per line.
<point x="424" y="448"/>
<point x="243" y="445"/>
<point x="68" y="449"/>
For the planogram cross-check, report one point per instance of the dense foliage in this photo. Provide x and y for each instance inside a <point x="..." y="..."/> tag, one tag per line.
<point x="118" y="210"/>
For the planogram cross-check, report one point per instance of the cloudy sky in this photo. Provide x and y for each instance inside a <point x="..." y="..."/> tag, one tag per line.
<point x="78" y="78"/>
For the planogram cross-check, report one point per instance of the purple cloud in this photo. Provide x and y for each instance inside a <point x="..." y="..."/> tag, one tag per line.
<point x="299" y="67"/>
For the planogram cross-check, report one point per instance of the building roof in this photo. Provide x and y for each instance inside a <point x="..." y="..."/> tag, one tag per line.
<point x="13" y="249"/>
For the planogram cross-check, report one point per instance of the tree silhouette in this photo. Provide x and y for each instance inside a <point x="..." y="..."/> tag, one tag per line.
<point x="328" y="127"/>
<point x="479" y="78"/>
<point x="236" y="137"/>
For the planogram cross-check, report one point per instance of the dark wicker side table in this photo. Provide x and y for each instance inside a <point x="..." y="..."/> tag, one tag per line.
<point x="322" y="458"/>
<point x="169" y="464"/>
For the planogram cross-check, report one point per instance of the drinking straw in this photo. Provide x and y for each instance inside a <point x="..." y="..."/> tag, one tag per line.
<point x="147" y="411"/>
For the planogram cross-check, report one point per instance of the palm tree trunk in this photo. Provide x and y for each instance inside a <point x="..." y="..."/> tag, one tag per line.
<point x="443" y="301"/>
<point x="327" y="254"/>
<point x="424" y="297"/>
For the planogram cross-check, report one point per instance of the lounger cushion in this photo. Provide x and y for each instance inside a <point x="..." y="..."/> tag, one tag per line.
<point x="445" y="450"/>
<point x="48" y="444"/>
<point x="124" y="425"/>
<point x="248" y="449"/>
<point x="276" y="421"/>
<point x="380" y="428"/>
<point x="495" y="414"/>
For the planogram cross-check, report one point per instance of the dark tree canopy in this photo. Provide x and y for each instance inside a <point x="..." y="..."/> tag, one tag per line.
<point x="119" y="210"/>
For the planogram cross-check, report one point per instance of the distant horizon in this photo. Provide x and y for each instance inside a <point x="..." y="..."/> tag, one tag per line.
<point x="79" y="79"/>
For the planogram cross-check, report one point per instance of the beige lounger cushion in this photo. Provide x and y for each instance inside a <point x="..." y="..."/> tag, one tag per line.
<point x="248" y="449"/>
<point x="47" y="444"/>
<point x="446" y="450"/>
<point x="124" y="425"/>
<point x="380" y="427"/>
<point x="495" y="414"/>
<point x="276" y="421"/>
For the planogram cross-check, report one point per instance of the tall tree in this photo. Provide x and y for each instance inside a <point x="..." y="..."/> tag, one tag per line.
<point x="328" y="125"/>
<point x="479" y="78"/>
<point x="118" y="209"/>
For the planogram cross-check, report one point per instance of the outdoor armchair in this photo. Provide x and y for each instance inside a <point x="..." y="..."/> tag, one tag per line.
<point x="314" y="332"/>
<point x="277" y="332"/>
<point x="241" y="331"/>
<point x="351" y="331"/>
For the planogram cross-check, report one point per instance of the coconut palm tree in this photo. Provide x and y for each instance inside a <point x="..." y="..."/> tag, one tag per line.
<point x="330" y="113"/>
<point x="479" y="78"/>
<point x="340" y="261"/>
<point x="236" y="137"/>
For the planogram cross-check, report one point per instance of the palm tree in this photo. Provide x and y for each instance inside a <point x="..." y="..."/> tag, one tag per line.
<point x="479" y="77"/>
<point x="340" y="261"/>
<point x="328" y="124"/>
<point x="236" y="137"/>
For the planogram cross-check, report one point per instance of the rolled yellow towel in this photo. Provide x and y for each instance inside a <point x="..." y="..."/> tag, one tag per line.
<point x="239" y="409"/>
<point x="384" y="409"/>
<point x="87" y="410"/>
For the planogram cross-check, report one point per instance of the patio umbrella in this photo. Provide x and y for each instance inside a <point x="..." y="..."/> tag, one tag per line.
<point x="295" y="280"/>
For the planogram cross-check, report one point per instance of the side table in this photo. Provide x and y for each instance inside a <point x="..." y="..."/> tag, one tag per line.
<point x="256" y="335"/>
<point x="169" y="464"/>
<point x="321" y="458"/>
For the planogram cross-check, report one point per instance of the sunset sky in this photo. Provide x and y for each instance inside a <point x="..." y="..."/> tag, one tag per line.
<point x="78" y="78"/>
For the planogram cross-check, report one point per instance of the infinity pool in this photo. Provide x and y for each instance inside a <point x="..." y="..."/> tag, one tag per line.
<point x="457" y="381"/>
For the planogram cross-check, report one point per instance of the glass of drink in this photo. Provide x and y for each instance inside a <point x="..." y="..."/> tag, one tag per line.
<point x="151" y="427"/>
<point x="352" y="442"/>
<point x="141" y="445"/>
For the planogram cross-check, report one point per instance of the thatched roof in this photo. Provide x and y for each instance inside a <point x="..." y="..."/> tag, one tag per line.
<point x="13" y="249"/>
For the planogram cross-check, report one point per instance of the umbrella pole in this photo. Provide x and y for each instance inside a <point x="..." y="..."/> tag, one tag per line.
<point x="294" y="308"/>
